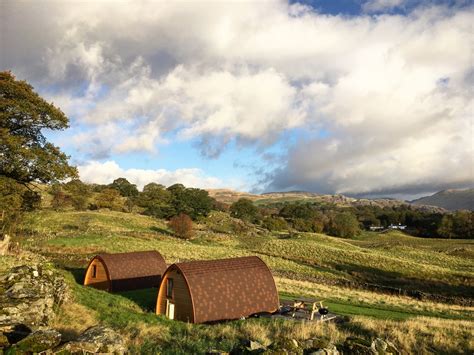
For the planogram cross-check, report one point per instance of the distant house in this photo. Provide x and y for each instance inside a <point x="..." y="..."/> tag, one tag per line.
<point x="376" y="228"/>
<point x="125" y="271"/>
<point x="214" y="290"/>
<point x="397" y="226"/>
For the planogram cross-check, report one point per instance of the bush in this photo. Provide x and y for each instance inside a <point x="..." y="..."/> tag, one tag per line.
<point x="275" y="224"/>
<point x="109" y="198"/>
<point x="78" y="193"/>
<point x="182" y="226"/>
<point x="244" y="209"/>
<point x="344" y="225"/>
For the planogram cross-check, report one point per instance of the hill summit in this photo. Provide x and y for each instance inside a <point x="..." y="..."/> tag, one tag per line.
<point x="449" y="199"/>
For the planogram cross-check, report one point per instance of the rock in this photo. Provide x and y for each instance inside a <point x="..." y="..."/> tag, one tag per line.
<point x="98" y="339"/>
<point x="290" y="345"/>
<point x="16" y="332"/>
<point x="32" y="293"/>
<point x="37" y="341"/>
<point x="4" y="343"/>
<point x="320" y="343"/>
<point x="379" y="345"/>
<point x="358" y="346"/>
<point x="255" y="345"/>
<point x="330" y="350"/>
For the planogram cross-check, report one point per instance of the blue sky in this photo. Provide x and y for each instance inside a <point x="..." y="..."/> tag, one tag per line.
<point x="348" y="96"/>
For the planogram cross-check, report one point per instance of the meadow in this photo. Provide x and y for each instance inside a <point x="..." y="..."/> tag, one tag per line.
<point x="304" y="264"/>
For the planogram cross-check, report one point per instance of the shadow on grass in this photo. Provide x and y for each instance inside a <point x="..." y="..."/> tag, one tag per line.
<point x="145" y="298"/>
<point x="161" y="230"/>
<point x="77" y="273"/>
<point x="396" y="280"/>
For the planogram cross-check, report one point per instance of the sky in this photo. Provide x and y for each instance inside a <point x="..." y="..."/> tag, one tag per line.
<point x="364" y="98"/>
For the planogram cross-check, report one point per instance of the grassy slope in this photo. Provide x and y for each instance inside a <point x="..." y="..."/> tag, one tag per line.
<point x="71" y="238"/>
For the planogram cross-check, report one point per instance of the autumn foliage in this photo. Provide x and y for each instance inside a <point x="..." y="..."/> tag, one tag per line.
<point x="182" y="226"/>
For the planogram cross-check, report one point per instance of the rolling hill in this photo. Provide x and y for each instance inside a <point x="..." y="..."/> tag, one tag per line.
<point x="449" y="199"/>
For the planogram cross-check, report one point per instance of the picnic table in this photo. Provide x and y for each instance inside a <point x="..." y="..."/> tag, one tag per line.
<point x="308" y="308"/>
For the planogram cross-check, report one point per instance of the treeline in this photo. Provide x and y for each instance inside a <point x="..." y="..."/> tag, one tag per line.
<point x="349" y="221"/>
<point x="154" y="200"/>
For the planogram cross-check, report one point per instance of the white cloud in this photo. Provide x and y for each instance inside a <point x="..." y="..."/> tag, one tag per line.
<point x="106" y="172"/>
<point x="391" y="93"/>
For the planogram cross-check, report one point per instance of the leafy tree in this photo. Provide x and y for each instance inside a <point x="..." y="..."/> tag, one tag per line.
<point x="125" y="188"/>
<point x="191" y="201"/>
<point x="343" y="224"/>
<point x="25" y="154"/>
<point x="109" y="198"/>
<point x="182" y="226"/>
<point x="60" y="198"/>
<point x="244" y="209"/>
<point x="10" y="204"/>
<point x="31" y="200"/>
<point x="79" y="194"/>
<point x="156" y="200"/>
<point x="274" y="223"/>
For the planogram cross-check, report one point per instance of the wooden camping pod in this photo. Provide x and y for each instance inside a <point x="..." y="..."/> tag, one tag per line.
<point x="125" y="271"/>
<point x="214" y="290"/>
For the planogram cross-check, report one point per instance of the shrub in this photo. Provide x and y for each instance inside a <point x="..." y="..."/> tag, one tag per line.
<point x="109" y="198"/>
<point x="182" y="226"/>
<point x="344" y="225"/>
<point x="244" y="209"/>
<point x="274" y="224"/>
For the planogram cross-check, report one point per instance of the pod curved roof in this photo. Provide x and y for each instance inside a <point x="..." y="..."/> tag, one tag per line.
<point x="133" y="270"/>
<point x="229" y="288"/>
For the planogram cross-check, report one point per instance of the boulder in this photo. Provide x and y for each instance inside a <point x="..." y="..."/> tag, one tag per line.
<point x="358" y="346"/>
<point x="31" y="294"/>
<point x="37" y="341"/>
<point x="381" y="346"/>
<point x="97" y="339"/>
<point x="330" y="350"/>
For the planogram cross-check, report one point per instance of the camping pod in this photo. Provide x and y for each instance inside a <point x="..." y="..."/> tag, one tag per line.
<point x="125" y="271"/>
<point x="214" y="290"/>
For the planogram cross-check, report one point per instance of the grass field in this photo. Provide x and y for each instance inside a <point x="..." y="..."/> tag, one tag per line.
<point x="304" y="265"/>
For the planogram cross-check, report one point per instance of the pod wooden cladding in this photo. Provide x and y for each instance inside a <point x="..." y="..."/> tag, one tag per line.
<point x="125" y="271"/>
<point x="213" y="290"/>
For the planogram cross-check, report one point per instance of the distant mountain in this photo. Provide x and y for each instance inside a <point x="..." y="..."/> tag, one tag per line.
<point x="449" y="199"/>
<point x="230" y="196"/>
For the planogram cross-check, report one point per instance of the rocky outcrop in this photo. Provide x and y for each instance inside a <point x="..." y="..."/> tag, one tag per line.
<point x="38" y="341"/>
<point x="317" y="346"/>
<point x="29" y="295"/>
<point x="98" y="339"/>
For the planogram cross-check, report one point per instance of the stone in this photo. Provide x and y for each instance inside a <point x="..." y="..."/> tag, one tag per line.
<point x="4" y="343"/>
<point x="255" y="345"/>
<point x="97" y="339"/>
<point x="379" y="345"/>
<point x="37" y="341"/>
<point x="358" y="346"/>
<point x="31" y="296"/>
<point x="330" y="350"/>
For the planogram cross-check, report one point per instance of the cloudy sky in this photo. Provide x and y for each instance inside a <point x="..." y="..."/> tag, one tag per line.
<point x="343" y="96"/>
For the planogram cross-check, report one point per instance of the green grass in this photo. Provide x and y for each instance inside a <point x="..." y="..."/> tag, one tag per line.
<point x="307" y="264"/>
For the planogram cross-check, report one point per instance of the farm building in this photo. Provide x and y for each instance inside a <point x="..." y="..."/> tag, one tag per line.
<point x="125" y="271"/>
<point x="213" y="290"/>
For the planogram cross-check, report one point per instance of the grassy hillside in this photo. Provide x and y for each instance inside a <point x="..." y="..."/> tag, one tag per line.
<point x="304" y="264"/>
